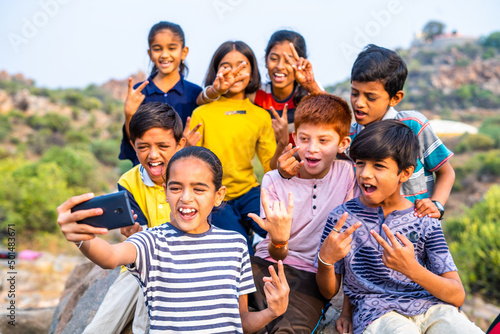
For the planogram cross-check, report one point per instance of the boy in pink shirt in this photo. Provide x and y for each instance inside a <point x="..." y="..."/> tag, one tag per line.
<point x="322" y="125"/>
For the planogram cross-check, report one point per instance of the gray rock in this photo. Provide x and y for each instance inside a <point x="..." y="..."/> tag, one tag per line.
<point x="29" y="321"/>
<point x="83" y="294"/>
<point x="328" y="326"/>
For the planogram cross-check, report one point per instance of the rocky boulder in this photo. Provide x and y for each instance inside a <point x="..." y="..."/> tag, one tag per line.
<point x="84" y="291"/>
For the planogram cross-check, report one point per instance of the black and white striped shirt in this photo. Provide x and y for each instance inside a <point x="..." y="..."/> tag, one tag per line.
<point x="192" y="282"/>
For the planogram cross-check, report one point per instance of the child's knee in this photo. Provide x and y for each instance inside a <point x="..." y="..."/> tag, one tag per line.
<point x="446" y="319"/>
<point x="392" y="323"/>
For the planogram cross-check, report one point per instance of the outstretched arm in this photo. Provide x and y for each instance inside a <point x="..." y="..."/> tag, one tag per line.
<point x="401" y="257"/>
<point x="276" y="290"/>
<point x="99" y="251"/>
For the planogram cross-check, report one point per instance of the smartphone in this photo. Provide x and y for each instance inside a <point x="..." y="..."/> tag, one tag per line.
<point x="117" y="212"/>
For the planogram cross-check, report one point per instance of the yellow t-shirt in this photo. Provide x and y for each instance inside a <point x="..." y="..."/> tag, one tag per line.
<point x="236" y="130"/>
<point x="149" y="197"/>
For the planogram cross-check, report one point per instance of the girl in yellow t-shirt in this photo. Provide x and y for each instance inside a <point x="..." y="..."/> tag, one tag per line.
<point x="236" y="130"/>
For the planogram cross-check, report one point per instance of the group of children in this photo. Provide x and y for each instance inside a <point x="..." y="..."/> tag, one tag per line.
<point x="369" y="219"/>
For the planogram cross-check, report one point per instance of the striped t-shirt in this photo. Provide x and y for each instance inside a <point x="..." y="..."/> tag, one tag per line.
<point x="374" y="289"/>
<point x="433" y="153"/>
<point x="192" y="282"/>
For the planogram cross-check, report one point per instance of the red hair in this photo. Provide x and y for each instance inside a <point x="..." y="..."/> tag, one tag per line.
<point x="324" y="109"/>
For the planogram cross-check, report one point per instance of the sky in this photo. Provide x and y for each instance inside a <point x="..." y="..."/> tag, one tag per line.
<point x="73" y="43"/>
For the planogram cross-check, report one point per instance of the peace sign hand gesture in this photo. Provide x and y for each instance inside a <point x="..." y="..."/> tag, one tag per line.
<point x="276" y="290"/>
<point x="338" y="244"/>
<point x="302" y="70"/>
<point x="226" y="77"/>
<point x="134" y="98"/>
<point x="397" y="256"/>
<point x="280" y="126"/>
<point x="278" y="222"/>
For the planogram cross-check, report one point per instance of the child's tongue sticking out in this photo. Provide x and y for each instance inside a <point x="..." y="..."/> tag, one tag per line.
<point x="156" y="168"/>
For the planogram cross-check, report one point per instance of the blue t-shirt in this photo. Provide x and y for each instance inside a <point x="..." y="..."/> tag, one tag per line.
<point x="372" y="288"/>
<point x="182" y="97"/>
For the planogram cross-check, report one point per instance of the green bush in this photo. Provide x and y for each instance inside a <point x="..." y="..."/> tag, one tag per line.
<point x="30" y="194"/>
<point x="124" y="166"/>
<point x="474" y="142"/>
<point x="493" y="40"/>
<point x="106" y="151"/>
<point x="491" y="128"/>
<point x="475" y="245"/>
<point x="490" y="164"/>
<point x="80" y="168"/>
<point x="52" y="121"/>
<point x="5" y="126"/>
<point x="17" y="116"/>
<point x="78" y="137"/>
<point x="91" y="103"/>
<point x="73" y="98"/>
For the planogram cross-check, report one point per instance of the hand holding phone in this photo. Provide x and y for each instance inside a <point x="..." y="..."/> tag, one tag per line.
<point x="116" y="211"/>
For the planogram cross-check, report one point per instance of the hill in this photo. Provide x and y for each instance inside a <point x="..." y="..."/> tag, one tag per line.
<point x="451" y="81"/>
<point x="55" y="144"/>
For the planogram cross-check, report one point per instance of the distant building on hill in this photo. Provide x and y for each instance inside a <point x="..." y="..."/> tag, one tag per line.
<point x="442" y="41"/>
<point x="451" y="128"/>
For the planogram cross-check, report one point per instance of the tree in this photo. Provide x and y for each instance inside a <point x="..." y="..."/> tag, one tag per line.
<point x="433" y="29"/>
<point x="475" y="245"/>
<point x="493" y="40"/>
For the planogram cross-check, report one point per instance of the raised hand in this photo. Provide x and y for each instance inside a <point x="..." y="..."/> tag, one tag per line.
<point x="278" y="222"/>
<point x="280" y="126"/>
<point x="134" y="98"/>
<point x="276" y="290"/>
<point x="338" y="244"/>
<point x="192" y="136"/>
<point x="302" y="70"/>
<point x="288" y="165"/>
<point x="67" y="220"/>
<point x="226" y="77"/>
<point x="396" y="256"/>
<point x="426" y="207"/>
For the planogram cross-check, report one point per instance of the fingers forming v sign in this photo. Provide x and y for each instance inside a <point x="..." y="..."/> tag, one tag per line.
<point x="192" y="136"/>
<point x="276" y="289"/>
<point x="134" y="97"/>
<point x="397" y="256"/>
<point x="278" y="222"/>
<point x="280" y="125"/>
<point x="302" y="68"/>
<point x="338" y="244"/>
<point x="226" y="77"/>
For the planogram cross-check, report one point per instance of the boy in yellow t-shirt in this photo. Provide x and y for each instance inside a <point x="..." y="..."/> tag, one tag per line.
<point x="156" y="135"/>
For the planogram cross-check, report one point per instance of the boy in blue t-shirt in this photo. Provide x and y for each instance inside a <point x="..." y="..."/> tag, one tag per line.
<point x="397" y="270"/>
